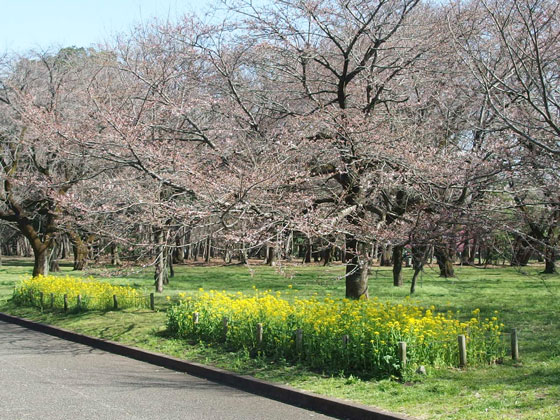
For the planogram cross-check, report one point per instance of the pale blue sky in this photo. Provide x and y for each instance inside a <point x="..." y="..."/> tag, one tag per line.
<point x="44" y="24"/>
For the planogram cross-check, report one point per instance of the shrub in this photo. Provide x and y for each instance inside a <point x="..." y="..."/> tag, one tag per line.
<point x="95" y="294"/>
<point x="339" y="335"/>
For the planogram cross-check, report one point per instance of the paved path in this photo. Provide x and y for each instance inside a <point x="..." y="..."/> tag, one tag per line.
<point x="44" y="377"/>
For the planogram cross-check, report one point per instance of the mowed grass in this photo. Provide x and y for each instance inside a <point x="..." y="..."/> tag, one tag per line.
<point x="525" y="299"/>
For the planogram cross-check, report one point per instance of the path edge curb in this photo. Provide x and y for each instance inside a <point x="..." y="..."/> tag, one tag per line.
<point x="329" y="406"/>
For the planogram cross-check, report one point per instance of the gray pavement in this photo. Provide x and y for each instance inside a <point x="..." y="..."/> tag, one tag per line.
<point x="44" y="377"/>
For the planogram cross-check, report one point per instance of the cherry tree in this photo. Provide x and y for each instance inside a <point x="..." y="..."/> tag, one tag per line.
<point x="512" y="48"/>
<point x="38" y="164"/>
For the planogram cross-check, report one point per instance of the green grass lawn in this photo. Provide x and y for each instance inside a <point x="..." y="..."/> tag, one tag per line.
<point x="526" y="300"/>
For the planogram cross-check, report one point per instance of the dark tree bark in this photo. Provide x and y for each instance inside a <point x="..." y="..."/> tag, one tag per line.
<point x="444" y="260"/>
<point x="419" y="257"/>
<point x="207" y="250"/>
<point x="80" y="250"/>
<point x="308" y="251"/>
<point x="171" y="269"/>
<point x="178" y="252"/>
<point x="356" y="269"/>
<point x="270" y="254"/>
<point x="327" y="255"/>
<point x="386" y="256"/>
<point x="550" y="262"/>
<point x="54" y="267"/>
<point x="521" y="253"/>
<point x="397" y="265"/>
<point x="40" y="247"/>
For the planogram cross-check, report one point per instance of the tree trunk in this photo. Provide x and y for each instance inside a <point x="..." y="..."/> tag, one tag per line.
<point x="80" y="251"/>
<point x="207" y="250"/>
<point x="521" y="253"/>
<point x="327" y="255"/>
<point x="227" y="254"/>
<point x="178" y="252"/>
<point x="289" y="248"/>
<point x="356" y="270"/>
<point x="549" y="262"/>
<point x="419" y="257"/>
<point x="270" y="254"/>
<point x="243" y="254"/>
<point x="40" y="263"/>
<point x="397" y="265"/>
<point x="171" y="269"/>
<point x="53" y="258"/>
<point x="160" y="274"/>
<point x="444" y="261"/>
<point x="115" y="255"/>
<point x="386" y="255"/>
<point x="414" y="278"/>
<point x="308" y="251"/>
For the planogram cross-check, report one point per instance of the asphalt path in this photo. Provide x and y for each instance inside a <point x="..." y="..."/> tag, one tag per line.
<point x="44" y="377"/>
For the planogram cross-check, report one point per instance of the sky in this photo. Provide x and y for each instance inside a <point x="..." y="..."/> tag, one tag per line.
<point x="49" y="24"/>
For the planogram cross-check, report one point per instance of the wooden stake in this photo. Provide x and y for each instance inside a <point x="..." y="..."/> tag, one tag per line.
<point x="514" y="345"/>
<point x="402" y="353"/>
<point x="299" y="340"/>
<point x="462" y="351"/>
<point x="152" y="303"/>
<point x="115" y="302"/>
<point x="259" y="334"/>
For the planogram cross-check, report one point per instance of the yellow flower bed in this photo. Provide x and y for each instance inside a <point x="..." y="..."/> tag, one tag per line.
<point x="95" y="294"/>
<point x="338" y="334"/>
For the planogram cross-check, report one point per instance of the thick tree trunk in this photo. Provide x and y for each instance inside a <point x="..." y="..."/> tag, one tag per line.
<point x="270" y="254"/>
<point x="54" y="267"/>
<point x="289" y="247"/>
<point x="397" y="265"/>
<point x="308" y="251"/>
<point x="386" y="256"/>
<point x="40" y="263"/>
<point x="160" y="275"/>
<point x="178" y="252"/>
<point x="550" y="262"/>
<point x="444" y="261"/>
<point x="356" y="270"/>
<point x="327" y="255"/>
<point x="40" y="248"/>
<point x="80" y="251"/>
<point x="521" y="253"/>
